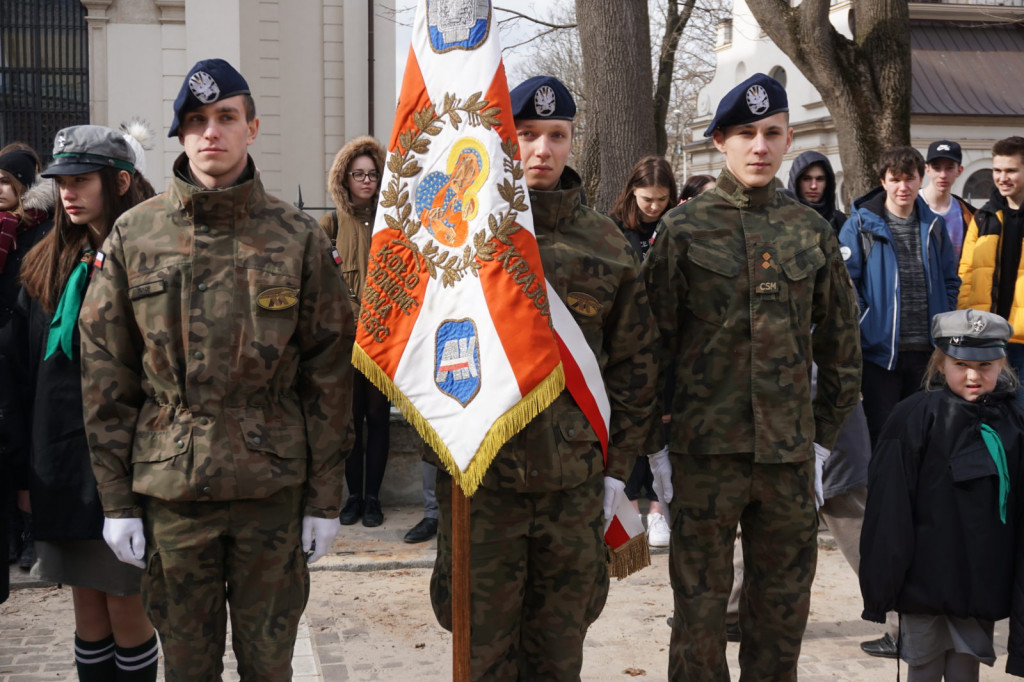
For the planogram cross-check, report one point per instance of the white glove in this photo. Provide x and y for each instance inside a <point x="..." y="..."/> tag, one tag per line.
<point x="821" y="453"/>
<point x="661" y="469"/>
<point x="614" y="493"/>
<point x="318" y="536"/>
<point x="126" y="540"/>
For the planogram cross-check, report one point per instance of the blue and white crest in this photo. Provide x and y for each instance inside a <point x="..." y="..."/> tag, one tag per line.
<point x="457" y="360"/>
<point x="458" y="24"/>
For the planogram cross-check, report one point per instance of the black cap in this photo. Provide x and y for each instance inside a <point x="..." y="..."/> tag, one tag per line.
<point x="974" y="335"/>
<point x="944" y="149"/>
<point x="21" y="165"/>
<point x="542" y="97"/>
<point x="758" y="97"/>
<point x="210" y="80"/>
<point x="84" y="149"/>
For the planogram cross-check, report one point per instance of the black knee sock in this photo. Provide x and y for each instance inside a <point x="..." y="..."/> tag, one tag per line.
<point x="138" y="663"/>
<point x="95" y="660"/>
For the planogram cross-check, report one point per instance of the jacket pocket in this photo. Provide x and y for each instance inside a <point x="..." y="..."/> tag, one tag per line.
<point x="156" y="300"/>
<point x="713" y="281"/>
<point x="971" y="461"/>
<point x="274" y="304"/>
<point x="274" y="457"/>
<point x="162" y="462"/>
<point x="799" y="271"/>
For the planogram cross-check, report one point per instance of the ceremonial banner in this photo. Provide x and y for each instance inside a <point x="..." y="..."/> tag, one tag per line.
<point x="456" y="321"/>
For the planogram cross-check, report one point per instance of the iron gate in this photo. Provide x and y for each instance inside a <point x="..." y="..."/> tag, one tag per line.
<point x="44" y="70"/>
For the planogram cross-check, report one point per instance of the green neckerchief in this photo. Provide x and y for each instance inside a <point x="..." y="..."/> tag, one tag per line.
<point x="65" y="318"/>
<point x="995" y="448"/>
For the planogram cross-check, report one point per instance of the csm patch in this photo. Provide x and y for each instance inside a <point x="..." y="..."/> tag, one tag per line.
<point x="147" y="289"/>
<point x="277" y="298"/>
<point x="584" y="304"/>
<point x="845" y="252"/>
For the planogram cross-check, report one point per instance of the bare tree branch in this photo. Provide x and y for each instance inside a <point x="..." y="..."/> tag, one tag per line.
<point x="535" y="20"/>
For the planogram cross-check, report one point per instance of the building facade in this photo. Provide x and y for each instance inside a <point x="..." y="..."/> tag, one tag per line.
<point x="963" y="54"/>
<point x="321" y="72"/>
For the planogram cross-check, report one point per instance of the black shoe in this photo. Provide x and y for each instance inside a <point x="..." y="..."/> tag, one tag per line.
<point x="373" y="516"/>
<point x="732" y="632"/>
<point x="883" y="648"/>
<point x="352" y="510"/>
<point x="422" y="531"/>
<point x="28" y="557"/>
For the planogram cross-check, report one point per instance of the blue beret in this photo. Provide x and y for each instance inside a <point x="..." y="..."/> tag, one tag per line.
<point x="542" y="97"/>
<point x="210" y="80"/>
<point x="758" y="97"/>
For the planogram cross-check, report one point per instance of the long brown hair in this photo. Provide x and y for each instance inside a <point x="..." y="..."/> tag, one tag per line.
<point x="48" y="265"/>
<point x="649" y="171"/>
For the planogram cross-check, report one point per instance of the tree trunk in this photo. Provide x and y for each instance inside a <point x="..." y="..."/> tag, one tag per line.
<point x="675" y="23"/>
<point x="616" y="44"/>
<point x="864" y="82"/>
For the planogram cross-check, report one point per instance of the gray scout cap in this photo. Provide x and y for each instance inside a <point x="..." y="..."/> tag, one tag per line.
<point x="84" y="149"/>
<point x="970" y="334"/>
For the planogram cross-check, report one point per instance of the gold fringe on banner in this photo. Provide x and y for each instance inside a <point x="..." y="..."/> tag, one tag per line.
<point x="506" y="426"/>
<point x="630" y="557"/>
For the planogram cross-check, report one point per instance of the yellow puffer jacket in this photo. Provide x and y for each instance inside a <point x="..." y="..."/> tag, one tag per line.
<point x="979" y="263"/>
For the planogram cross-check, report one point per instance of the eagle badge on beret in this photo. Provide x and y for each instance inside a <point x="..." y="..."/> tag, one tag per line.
<point x="204" y="87"/>
<point x="544" y="100"/>
<point x="757" y="99"/>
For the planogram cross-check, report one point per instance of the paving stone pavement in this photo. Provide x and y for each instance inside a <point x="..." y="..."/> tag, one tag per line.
<point x="369" y="618"/>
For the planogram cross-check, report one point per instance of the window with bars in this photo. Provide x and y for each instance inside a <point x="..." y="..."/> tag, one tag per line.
<point x="44" y="70"/>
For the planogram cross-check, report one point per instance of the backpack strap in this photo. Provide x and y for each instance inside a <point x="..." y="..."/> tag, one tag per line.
<point x="334" y="227"/>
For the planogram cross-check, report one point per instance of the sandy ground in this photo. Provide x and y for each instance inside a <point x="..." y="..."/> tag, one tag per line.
<point x="378" y="625"/>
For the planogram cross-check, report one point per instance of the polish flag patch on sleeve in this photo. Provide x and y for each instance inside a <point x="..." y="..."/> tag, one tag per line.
<point x="97" y="262"/>
<point x="335" y="256"/>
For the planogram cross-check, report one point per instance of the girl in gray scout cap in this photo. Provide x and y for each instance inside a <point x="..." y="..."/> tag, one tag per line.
<point x="94" y="172"/>
<point x="943" y="526"/>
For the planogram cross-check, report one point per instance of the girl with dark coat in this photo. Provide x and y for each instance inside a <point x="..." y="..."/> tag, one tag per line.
<point x="942" y="542"/>
<point x="94" y="170"/>
<point x="649" y="193"/>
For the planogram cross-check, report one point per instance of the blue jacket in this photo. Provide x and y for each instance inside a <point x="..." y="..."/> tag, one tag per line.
<point x="866" y="243"/>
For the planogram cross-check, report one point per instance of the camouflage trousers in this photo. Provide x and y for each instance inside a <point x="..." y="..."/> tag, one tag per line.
<point x="538" y="579"/>
<point x="202" y="556"/>
<point x="774" y="506"/>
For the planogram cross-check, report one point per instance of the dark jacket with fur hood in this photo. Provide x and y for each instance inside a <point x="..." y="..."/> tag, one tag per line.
<point x="350" y="228"/>
<point x="38" y="199"/>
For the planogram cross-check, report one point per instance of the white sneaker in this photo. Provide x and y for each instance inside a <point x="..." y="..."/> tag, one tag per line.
<point x="658" y="532"/>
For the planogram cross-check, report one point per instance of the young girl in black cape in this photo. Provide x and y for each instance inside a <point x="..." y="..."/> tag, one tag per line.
<point x="941" y="542"/>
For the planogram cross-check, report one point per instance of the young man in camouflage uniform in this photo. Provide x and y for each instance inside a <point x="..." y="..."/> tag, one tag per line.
<point x="538" y="560"/>
<point x="215" y="356"/>
<point x="738" y="277"/>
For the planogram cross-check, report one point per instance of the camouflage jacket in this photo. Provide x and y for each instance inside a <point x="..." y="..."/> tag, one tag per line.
<point x="594" y="270"/>
<point x="216" y="347"/>
<point x="738" y="277"/>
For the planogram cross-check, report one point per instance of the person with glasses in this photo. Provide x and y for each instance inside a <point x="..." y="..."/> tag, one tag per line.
<point x="353" y="183"/>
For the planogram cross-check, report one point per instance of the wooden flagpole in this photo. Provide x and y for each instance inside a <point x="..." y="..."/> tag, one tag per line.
<point x="460" y="585"/>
